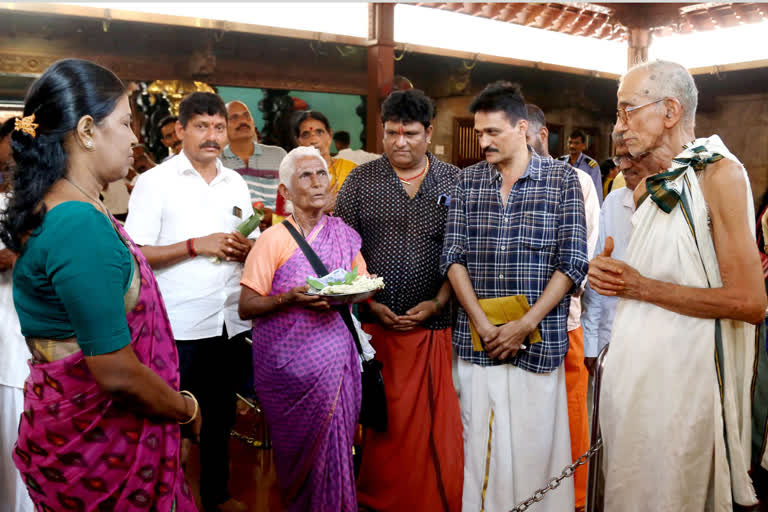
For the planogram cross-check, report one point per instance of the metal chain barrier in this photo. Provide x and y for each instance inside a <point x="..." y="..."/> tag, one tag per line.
<point x="554" y="482"/>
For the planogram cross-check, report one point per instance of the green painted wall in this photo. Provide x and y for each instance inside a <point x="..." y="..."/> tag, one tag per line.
<point x="338" y="108"/>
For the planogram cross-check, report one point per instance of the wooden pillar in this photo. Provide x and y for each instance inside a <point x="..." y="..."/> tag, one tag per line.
<point x="639" y="39"/>
<point x="381" y="69"/>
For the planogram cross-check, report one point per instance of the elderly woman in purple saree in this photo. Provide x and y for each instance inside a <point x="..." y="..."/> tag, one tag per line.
<point x="306" y="365"/>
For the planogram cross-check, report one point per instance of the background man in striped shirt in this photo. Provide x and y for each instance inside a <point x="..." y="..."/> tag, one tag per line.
<point x="258" y="164"/>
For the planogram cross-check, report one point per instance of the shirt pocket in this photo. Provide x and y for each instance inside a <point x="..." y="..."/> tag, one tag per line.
<point x="429" y="220"/>
<point x="537" y="230"/>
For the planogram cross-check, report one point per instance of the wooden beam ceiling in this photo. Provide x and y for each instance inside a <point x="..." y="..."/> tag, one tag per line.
<point x="612" y="21"/>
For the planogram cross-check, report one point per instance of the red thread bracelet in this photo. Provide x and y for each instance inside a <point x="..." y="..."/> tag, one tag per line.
<point x="191" y="248"/>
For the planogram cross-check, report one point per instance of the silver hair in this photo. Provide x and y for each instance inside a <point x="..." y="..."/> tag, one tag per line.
<point x="671" y="80"/>
<point x="291" y="162"/>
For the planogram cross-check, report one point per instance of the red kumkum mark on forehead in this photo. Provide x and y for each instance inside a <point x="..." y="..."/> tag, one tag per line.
<point x="402" y="131"/>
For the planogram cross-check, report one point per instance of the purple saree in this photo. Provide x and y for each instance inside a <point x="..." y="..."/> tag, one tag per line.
<point x="80" y="451"/>
<point x="307" y="378"/>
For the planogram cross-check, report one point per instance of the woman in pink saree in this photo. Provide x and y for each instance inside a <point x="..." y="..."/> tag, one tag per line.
<point x="306" y="365"/>
<point x="100" y="429"/>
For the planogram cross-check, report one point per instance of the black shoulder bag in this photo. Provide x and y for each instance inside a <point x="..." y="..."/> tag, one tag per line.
<point x="373" y="409"/>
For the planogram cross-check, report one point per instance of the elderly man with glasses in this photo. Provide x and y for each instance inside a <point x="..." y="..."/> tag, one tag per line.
<point x="676" y="397"/>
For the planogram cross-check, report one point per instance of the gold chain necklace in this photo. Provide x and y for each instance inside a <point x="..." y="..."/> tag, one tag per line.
<point x="86" y="194"/>
<point x="409" y="181"/>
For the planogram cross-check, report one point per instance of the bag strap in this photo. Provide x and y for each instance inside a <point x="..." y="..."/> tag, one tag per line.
<point x="321" y="270"/>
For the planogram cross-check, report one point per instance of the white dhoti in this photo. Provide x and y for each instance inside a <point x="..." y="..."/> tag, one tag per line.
<point x="13" y="492"/>
<point x="516" y="437"/>
<point x="662" y="417"/>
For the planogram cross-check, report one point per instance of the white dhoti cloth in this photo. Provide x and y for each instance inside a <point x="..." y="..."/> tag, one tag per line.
<point x="662" y="418"/>
<point x="516" y="437"/>
<point x="13" y="492"/>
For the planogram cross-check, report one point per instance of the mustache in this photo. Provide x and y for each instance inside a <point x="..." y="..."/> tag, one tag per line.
<point x="490" y="150"/>
<point x="210" y="144"/>
<point x="241" y="125"/>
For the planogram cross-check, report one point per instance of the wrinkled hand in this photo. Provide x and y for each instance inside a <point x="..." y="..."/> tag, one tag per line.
<point x="611" y="277"/>
<point x="509" y="339"/>
<point x="299" y="297"/>
<point x="7" y="259"/>
<point x="418" y="314"/>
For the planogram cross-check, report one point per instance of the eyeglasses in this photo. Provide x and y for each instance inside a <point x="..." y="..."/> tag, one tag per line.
<point x="619" y="159"/>
<point x="623" y="112"/>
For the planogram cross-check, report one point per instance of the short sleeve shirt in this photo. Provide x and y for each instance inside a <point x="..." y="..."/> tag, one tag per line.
<point x="261" y="173"/>
<point x="70" y="280"/>
<point x="401" y="236"/>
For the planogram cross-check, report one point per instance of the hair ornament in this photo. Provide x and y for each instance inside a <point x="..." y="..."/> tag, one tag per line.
<point x="27" y="125"/>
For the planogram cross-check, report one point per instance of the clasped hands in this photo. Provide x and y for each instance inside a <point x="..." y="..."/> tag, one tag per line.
<point x="407" y="322"/>
<point x="504" y="341"/>
<point x="611" y="277"/>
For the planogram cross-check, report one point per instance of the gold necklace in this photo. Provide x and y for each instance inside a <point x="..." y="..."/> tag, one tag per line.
<point x="86" y="194"/>
<point x="409" y="181"/>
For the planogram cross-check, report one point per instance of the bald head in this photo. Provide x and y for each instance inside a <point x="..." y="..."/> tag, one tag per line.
<point x="664" y="79"/>
<point x="240" y="122"/>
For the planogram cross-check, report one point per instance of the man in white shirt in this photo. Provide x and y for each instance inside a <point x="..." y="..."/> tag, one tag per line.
<point x="576" y="375"/>
<point x="13" y="362"/>
<point x="342" y="139"/>
<point x="615" y="221"/>
<point x="184" y="213"/>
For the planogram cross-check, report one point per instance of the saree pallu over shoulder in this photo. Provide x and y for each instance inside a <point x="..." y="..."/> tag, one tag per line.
<point x="307" y="378"/>
<point x="80" y="450"/>
<point x="677" y="397"/>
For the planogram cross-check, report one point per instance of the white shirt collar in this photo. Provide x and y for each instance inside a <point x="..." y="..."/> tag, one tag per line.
<point x="629" y="199"/>
<point x="184" y="166"/>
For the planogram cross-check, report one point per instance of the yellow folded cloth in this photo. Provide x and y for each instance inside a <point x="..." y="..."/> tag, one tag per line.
<point x="502" y="310"/>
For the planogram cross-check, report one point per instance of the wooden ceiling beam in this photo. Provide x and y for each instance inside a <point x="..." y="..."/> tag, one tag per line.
<point x="491" y="10"/>
<point x="581" y="19"/>
<point x="470" y="8"/>
<point x="549" y="14"/>
<point x="589" y="28"/>
<point x="533" y="18"/>
<point x="510" y="11"/>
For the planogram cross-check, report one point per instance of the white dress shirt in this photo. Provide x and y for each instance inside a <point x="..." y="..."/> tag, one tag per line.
<point x="592" y="215"/>
<point x="616" y="222"/>
<point x="13" y="349"/>
<point x="172" y="203"/>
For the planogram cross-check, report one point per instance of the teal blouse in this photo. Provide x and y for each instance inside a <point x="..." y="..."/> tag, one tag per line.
<point x="70" y="280"/>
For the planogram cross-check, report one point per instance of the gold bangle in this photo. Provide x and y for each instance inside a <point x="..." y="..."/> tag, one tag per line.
<point x="197" y="407"/>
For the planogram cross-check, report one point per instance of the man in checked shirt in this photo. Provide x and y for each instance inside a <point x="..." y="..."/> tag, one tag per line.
<point x="516" y="226"/>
